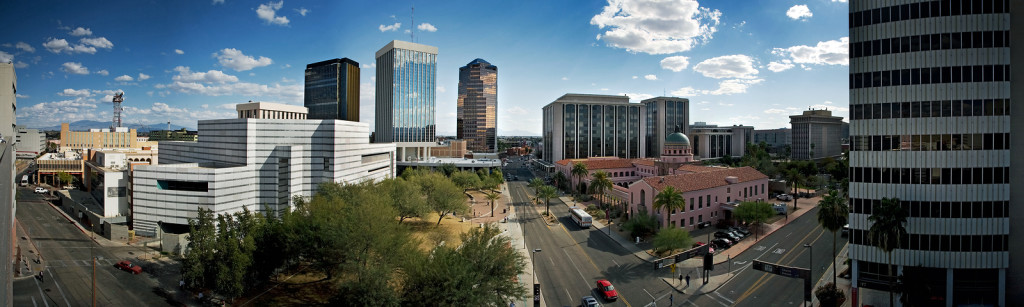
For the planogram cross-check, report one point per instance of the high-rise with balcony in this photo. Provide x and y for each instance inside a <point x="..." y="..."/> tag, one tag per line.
<point x="405" y="98"/>
<point x="477" y="121"/>
<point x="932" y="97"/>
<point x="332" y="90"/>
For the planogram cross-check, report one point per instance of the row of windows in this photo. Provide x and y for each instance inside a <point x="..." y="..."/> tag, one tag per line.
<point x="942" y="108"/>
<point x="931" y="142"/>
<point x="927" y="10"/>
<point x="942" y="243"/>
<point x="928" y="42"/>
<point x="932" y="75"/>
<point x="975" y="175"/>
<point x="939" y="209"/>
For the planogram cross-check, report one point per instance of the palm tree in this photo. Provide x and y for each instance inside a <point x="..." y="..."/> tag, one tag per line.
<point x="579" y="170"/>
<point x="833" y="213"/>
<point x="670" y="199"/>
<point x="793" y="175"/>
<point x="559" y="179"/>
<point x="492" y="197"/>
<point x="600" y="183"/>
<point x="887" y="230"/>
<point x="536" y="183"/>
<point x="547" y="192"/>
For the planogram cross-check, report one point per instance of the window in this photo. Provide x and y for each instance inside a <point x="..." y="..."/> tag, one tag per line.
<point x="175" y="185"/>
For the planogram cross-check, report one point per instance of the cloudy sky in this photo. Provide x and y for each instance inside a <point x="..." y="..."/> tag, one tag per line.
<point x="739" y="62"/>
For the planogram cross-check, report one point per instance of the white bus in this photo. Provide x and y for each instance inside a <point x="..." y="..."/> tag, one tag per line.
<point x="581" y="218"/>
<point x="24" y="180"/>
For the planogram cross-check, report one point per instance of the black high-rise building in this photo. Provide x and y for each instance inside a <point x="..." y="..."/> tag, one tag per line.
<point x="332" y="90"/>
<point x="478" y="106"/>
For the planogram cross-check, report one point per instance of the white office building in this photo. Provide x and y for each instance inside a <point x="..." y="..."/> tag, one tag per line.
<point x="256" y="163"/>
<point x="579" y="126"/>
<point x="30" y="142"/>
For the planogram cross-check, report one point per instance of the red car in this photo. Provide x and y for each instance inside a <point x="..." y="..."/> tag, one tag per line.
<point x="605" y="288"/>
<point x="129" y="266"/>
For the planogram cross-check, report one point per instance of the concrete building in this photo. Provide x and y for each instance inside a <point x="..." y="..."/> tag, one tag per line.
<point x="8" y="101"/>
<point x="267" y="110"/>
<point x="120" y="138"/>
<point x="934" y="88"/>
<point x="578" y="126"/>
<point x="29" y="143"/>
<point x="8" y="188"/>
<point x="405" y="98"/>
<point x="256" y="163"/>
<point x="711" y="193"/>
<point x="182" y="135"/>
<point x="332" y="90"/>
<point x="451" y="149"/>
<point x="477" y="116"/>
<point x="665" y="115"/>
<point x="713" y="142"/>
<point x="622" y="172"/>
<point x="816" y="134"/>
<point x="776" y="139"/>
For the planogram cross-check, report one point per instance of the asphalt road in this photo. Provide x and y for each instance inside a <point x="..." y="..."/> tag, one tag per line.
<point x="69" y="273"/>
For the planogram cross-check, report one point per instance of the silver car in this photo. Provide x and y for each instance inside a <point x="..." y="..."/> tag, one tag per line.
<point x="589" y="301"/>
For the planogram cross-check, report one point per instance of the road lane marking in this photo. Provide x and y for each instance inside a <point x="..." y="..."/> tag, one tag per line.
<point x="34" y="301"/>
<point x="766" y="277"/>
<point x="724" y="298"/>
<point x="577" y="244"/>
<point x="744" y="268"/>
<point x="616" y="262"/>
<point x="54" y="278"/>
<point x="568" y="295"/>
<point x="713" y="299"/>
<point x="779" y="251"/>
<point x="41" y="295"/>
<point x="585" y="282"/>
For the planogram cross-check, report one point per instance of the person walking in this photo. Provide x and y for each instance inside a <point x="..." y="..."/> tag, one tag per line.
<point x="687" y="280"/>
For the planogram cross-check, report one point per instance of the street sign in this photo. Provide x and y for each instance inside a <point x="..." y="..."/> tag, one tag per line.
<point x="776" y="269"/>
<point x="536" y="294"/>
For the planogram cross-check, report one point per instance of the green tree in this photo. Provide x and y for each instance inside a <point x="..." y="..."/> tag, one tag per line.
<point x="600" y="184"/>
<point x="536" y="184"/>
<point x="829" y="295"/>
<point x="888" y="229"/>
<point x="547" y="192"/>
<point x="833" y="214"/>
<point x="447" y="169"/>
<point x="492" y="197"/>
<point x="671" y="238"/>
<point x="641" y="224"/>
<point x="755" y="213"/>
<point x="202" y="245"/>
<point x="443" y="197"/>
<point x="490" y="183"/>
<point x="466" y="180"/>
<point x="231" y="259"/>
<point x="497" y="176"/>
<point x="794" y="177"/>
<point x="477" y="273"/>
<point x="579" y="171"/>
<point x="669" y="199"/>
<point x="65" y="178"/>
<point x="560" y="181"/>
<point x="406" y="198"/>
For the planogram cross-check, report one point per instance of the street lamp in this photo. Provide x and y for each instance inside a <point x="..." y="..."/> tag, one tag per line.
<point x="536" y="299"/>
<point x="810" y="263"/>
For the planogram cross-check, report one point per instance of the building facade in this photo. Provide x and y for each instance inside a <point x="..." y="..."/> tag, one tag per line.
<point x="930" y="125"/>
<point x="266" y="110"/>
<point x="405" y="98"/>
<point x="29" y="143"/>
<point x="816" y="134"/>
<point x="665" y="115"/>
<point x="708" y="191"/>
<point x="578" y="126"/>
<point x="713" y="142"/>
<point x="80" y="141"/>
<point x="776" y="139"/>
<point x="332" y="89"/>
<point x="477" y="117"/>
<point x="172" y="135"/>
<point x="8" y="242"/>
<point x="259" y="164"/>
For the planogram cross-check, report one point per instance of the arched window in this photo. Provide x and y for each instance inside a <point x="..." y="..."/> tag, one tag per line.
<point x="643" y="198"/>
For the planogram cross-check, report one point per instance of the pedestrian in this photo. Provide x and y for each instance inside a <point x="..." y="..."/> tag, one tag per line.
<point x="687" y="280"/>
<point x="40" y="276"/>
<point x="670" y="303"/>
<point x="181" y="284"/>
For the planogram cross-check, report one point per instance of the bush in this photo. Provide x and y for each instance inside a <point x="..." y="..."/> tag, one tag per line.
<point x="641" y="225"/>
<point x="829" y="295"/>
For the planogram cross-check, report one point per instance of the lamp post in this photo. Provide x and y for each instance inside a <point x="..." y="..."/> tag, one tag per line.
<point x="536" y="300"/>
<point x="810" y="263"/>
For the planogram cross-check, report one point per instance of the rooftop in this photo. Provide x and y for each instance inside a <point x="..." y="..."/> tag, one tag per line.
<point x="705" y="178"/>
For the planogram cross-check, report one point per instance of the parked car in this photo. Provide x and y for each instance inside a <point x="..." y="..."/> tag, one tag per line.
<point x="726" y="235"/>
<point x="589" y="301"/>
<point x="721" y="243"/>
<point x="605" y="288"/>
<point x="736" y="234"/>
<point x="784" y="197"/>
<point x="697" y="244"/>
<point x="129" y="266"/>
<point x="779" y="208"/>
<point x="40" y="190"/>
<point x="740" y="230"/>
<point x="846" y="229"/>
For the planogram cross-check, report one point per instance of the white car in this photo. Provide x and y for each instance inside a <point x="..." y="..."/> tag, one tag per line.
<point x="784" y="197"/>
<point x="41" y="191"/>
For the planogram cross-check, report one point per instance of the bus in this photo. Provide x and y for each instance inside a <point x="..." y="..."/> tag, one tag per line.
<point x="24" y="180"/>
<point x="581" y="218"/>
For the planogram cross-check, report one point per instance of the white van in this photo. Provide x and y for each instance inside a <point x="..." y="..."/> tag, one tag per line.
<point x="24" y="180"/>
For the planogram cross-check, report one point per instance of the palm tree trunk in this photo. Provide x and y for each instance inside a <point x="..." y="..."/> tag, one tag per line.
<point x="890" y="279"/>
<point x="835" y="269"/>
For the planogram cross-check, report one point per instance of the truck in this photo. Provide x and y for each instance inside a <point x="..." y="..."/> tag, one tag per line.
<point x="24" y="180"/>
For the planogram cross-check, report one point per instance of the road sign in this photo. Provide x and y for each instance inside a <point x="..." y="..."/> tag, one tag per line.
<point x="536" y="294"/>
<point x="776" y="269"/>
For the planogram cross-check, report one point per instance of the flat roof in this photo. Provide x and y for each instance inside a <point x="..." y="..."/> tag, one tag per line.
<point x="396" y="44"/>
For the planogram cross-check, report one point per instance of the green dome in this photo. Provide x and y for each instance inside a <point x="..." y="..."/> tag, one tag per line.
<point x="677" y="139"/>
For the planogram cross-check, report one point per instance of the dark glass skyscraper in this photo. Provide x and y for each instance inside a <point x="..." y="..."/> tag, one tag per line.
<point x="332" y="90"/>
<point x="478" y="106"/>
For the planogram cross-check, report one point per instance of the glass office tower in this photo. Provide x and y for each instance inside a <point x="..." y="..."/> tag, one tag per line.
<point x="332" y="90"/>
<point x="478" y="106"/>
<point x="405" y="93"/>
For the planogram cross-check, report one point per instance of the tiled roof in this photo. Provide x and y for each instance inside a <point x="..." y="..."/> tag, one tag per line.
<point x="704" y="178"/>
<point x="693" y="168"/>
<point x="644" y="162"/>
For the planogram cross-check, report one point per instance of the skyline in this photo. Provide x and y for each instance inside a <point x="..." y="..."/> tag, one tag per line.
<point x="194" y="61"/>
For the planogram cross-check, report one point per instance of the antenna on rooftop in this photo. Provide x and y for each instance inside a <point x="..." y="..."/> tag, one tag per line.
<point x="412" y="27"/>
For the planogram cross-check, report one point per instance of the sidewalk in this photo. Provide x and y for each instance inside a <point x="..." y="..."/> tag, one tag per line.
<point x="514" y="230"/>
<point x="843" y="283"/>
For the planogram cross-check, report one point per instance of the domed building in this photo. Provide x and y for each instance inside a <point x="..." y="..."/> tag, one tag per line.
<point x="675" y="153"/>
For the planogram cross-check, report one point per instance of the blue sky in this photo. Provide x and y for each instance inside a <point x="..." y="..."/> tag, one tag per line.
<point x="739" y="62"/>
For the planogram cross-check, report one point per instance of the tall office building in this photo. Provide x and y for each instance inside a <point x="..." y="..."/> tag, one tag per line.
<point x="816" y="134"/>
<point x="478" y="106"/>
<point x="713" y="141"/>
<point x="664" y="116"/>
<point x="930" y="125"/>
<point x="776" y="139"/>
<point x="332" y="90"/>
<point x="579" y="126"/>
<point x="405" y="98"/>
<point x="8" y="243"/>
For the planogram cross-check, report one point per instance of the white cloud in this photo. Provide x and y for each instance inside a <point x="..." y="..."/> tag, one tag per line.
<point x="143" y="76"/>
<point x="213" y="76"/>
<point x="25" y="46"/>
<point x="98" y="42"/>
<point x="839" y="1"/>
<point x="302" y="11"/>
<point x="46" y="113"/>
<point x="179" y="51"/>
<point x="88" y="45"/>
<point x="780" y="65"/>
<point x="77" y="93"/>
<point x="798" y="12"/>
<point x="6" y="57"/>
<point x="21" y="96"/>
<point x="234" y="59"/>
<point x="634" y="97"/>
<point x="124" y="78"/>
<point x="441" y="89"/>
<point x="268" y="12"/>
<point x="735" y="86"/>
<point x="656" y="27"/>
<point x="728" y="66"/>
<point x="217" y="83"/>
<point x="57" y="45"/>
<point x="427" y="27"/>
<point x="634" y="77"/>
<point x="218" y="1"/>
<point x="685" y="92"/>
<point x="102" y="72"/>
<point x="81" y="32"/>
<point x="675" y="63"/>
<point x="604" y="89"/>
<point x="565" y="78"/>
<point x="20" y="64"/>
<point x="75" y="68"/>
<point x="651" y="77"/>
<point x="833" y="52"/>
<point x="516" y="110"/>
<point x="393" y="27"/>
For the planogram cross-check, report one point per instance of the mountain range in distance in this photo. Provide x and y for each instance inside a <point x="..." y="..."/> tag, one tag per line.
<point x="84" y="125"/>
